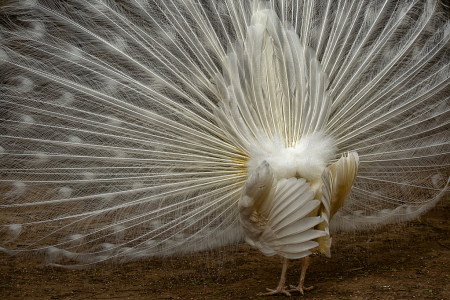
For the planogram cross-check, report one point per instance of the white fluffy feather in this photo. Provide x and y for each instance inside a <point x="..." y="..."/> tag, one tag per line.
<point x="307" y="159"/>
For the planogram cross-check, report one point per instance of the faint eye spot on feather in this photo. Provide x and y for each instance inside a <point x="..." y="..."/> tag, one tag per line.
<point x="76" y="239"/>
<point x="23" y="84"/>
<point x="37" y="29"/>
<point x="120" y="154"/>
<point x="41" y="158"/>
<point x="74" y="139"/>
<point x="65" y="192"/>
<point x="3" y="56"/>
<point x="88" y="175"/>
<point x="18" y="188"/>
<point x="438" y="180"/>
<point x="66" y="99"/>
<point x="112" y="120"/>
<point x="14" y="231"/>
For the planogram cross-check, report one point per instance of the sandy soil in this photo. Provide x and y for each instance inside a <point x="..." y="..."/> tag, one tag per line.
<point x="407" y="261"/>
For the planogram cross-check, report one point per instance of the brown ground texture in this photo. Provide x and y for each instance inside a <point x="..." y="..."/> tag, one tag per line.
<point x="406" y="261"/>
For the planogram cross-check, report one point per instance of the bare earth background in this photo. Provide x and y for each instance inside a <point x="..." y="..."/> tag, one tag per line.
<point x="407" y="261"/>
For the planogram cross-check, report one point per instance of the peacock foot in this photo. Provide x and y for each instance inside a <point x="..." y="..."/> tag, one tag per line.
<point x="277" y="291"/>
<point x="299" y="288"/>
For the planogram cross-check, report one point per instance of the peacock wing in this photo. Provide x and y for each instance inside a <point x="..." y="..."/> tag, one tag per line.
<point x="276" y="215"/>
<point x="344" y="172"/>
<point x="325" y="193"/>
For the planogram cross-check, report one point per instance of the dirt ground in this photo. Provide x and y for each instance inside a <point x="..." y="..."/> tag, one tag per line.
<point x="407" y="261"/>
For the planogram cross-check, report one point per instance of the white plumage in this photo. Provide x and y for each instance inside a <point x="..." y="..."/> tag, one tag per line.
<point x="154" y="128"/>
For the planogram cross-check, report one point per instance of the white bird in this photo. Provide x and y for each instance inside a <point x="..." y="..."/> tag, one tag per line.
<point x="149" y="128"/>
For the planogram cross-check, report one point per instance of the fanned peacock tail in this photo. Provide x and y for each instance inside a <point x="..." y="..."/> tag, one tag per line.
<point x="128" y="129"/>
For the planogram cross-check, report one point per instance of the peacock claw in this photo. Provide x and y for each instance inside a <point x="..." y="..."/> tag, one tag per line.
<point x="299" y="289"/>
<point x="277" y="291"/>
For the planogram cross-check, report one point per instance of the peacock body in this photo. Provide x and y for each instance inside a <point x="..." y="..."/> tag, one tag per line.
<point x="151" y="128"/>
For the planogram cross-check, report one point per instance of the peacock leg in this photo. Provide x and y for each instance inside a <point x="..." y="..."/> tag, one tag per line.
<point x="280" y="288"/>
<point x="300" y="288"/>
